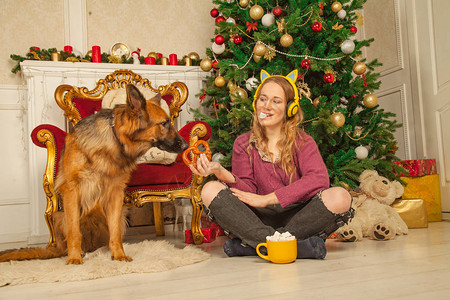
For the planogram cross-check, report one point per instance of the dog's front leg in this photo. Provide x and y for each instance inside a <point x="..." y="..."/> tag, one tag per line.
<point x="113" y="215"/>
<point x="72" y="214"/>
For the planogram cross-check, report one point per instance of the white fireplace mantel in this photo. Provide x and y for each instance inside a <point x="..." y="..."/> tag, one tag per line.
<point x="42" y="78"/>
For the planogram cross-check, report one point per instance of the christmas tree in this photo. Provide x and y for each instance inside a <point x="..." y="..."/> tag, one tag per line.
<point x="336" y="84"/>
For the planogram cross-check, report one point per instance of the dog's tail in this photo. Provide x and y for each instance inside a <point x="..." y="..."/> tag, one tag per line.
<point x="31" y="253"/>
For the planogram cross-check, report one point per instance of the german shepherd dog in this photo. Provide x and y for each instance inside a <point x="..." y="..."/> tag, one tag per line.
<point x="96" y="165"/>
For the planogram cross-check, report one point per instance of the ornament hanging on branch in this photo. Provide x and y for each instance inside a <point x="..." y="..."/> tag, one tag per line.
<point x="305" y="64"/>
<point x="316" y="26"/>
<point x="206" y="64"/>
<point x="231" y="20"/>
<point x="244" y="3"/>
<point x="219" y="19"/>
<point x="359" y="68"/>
<point x="215" y="65"/>
<point x="268" y="20"/>
<point x="219" y="81"/>
<point x="218" y="49"/>
<point x="361" y="152"/>
<point x="353" y="29"/>
<point x="238" y="93"/>
<point x="214" y="13"/>
<point x="286" y="40"/>
<point x="237" y="40"/>
<point x="348" y="46"/>
<point x="370" y="100"/>
<point x="336" y="6"/>
<point x="342" y="14"/>
<point x="259" y="49"/>
<point x="256" y="12"/>
<point x="277" y="11"/>
<point x="337" y="119"/>
<point x="219" y="39"/>
<point x="329" y="77"/>
<point x="251" y="83"/>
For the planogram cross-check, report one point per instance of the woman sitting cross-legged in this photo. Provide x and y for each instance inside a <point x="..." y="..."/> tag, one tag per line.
<point x="278" y="182"/>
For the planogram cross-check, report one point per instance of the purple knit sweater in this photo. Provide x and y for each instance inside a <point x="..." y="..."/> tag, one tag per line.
<point x="261" y="177"/>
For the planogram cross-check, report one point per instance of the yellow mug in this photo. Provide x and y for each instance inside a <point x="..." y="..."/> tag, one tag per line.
<point x="279" y="252"/>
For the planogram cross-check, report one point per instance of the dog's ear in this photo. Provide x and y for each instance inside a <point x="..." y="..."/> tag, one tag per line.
<point x="156" y="99"/>
<point x="135" y="100"/>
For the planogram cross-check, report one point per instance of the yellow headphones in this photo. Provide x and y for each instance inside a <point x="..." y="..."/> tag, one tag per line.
<point x="293" y="105"/>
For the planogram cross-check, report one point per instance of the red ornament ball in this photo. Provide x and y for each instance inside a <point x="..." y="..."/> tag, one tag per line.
<point x="305" y="64"/>
<point x="215" y="65"/>
<point x="316" y="26"/>
<point x="237" y="40"/>
<point x="328" y="78"/>
<point x="219" y="40"/>
<point x="220" y="19"/>
<point x="277" y="11"/>
<point x="353" y="29"/>
<point x="214" y="12"/>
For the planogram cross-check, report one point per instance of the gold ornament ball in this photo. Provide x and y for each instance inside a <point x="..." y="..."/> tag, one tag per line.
<point x="219" y="81"/>
<point x="286" y="40"/>
<point x="256" y="58"/>
<point x="206" y="64"/>
<point x="359" y="68"/>
<point x="256" y="12"/>
<point x="259" y="49"/>
<point x="193" y="56"/>
<point x="337" y="119"/>
<point x="231" y="86"/>
<point x="243" y="3"/>
<point x="370" y="100"/>
<point x="336" y="6"/>
<point x="153" y="54"/>
<point x="239" y="92"/>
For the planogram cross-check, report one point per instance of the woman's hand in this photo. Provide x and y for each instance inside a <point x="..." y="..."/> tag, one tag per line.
<point x="205" y="167"/>
<point x="255" y="200"/>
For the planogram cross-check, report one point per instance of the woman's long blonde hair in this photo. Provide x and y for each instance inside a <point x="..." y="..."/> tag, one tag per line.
<point x="290" y="130"/>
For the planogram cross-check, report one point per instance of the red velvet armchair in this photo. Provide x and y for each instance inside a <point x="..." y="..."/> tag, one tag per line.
<point x="150" y="182"/>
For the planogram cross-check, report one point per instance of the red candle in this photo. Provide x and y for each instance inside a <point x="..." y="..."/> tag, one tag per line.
<point x="159" y="55"/>
<point x="96" y="56"/>
<point x="173" y="59"/>
<point x="68" y="49"/>
<point x="150" y="60"/>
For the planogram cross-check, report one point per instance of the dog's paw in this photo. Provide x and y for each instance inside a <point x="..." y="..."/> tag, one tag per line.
<point x="348" y="235"/>
<point x="74" y="261"/>
<point x="122" y="258"/>
<point x="382" y="232"/>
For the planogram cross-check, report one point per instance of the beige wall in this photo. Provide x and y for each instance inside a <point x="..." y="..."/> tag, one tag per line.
<point x="166" y="26"/>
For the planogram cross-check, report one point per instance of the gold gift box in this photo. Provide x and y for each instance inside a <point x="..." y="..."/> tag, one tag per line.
<point x="412" y="211"/>
<point x="427" y="188"/>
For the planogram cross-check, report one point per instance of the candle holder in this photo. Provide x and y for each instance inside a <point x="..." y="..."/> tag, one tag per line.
<point x="164" y="61"/>
<point x="150" y="60"/>
<point x="188" y="61"/>
<point x="56" y="56"/>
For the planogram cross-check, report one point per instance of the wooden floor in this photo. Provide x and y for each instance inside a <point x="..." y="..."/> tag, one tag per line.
<point x="416" y="266"/>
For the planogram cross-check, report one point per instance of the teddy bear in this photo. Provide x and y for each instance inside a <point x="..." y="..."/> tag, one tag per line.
<point x="374" y="217"/>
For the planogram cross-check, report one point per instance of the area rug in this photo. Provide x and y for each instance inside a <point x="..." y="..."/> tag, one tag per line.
<point x="148" y="257"/>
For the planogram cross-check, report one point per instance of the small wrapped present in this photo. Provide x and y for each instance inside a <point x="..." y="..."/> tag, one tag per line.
<point x="209" y="234"/>
<point x="412" y="211"/>
<point x="427" y="188"/>
<point x="418" y="167"/>
<point x="219" y="230"/>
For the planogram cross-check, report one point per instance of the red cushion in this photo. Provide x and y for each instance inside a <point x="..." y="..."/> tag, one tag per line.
<point x="155" y="174"/>
<point x="87" y="107"/>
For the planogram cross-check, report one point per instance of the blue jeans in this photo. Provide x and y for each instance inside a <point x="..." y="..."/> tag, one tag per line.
<point x="252" y="225"/>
